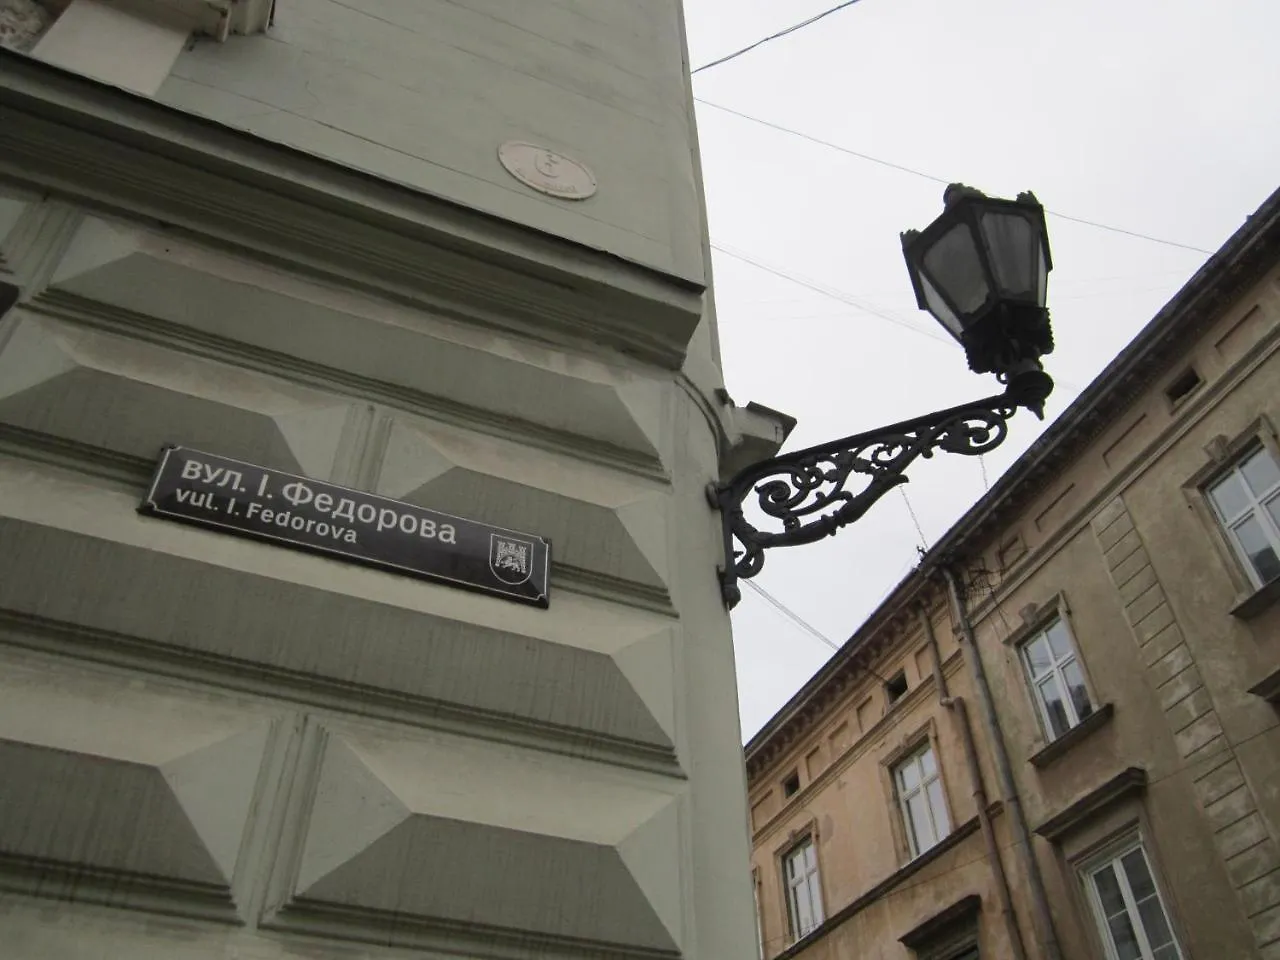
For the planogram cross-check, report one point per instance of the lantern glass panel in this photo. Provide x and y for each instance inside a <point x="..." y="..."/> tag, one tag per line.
<point x="1042" y="283"/>
<point x="953" y="264"/>
<point x="1017" y="260"/>
<point x="940" y="308"/>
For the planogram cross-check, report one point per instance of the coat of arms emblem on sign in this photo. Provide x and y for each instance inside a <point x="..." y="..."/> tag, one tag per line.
<point x="510" y="558"/>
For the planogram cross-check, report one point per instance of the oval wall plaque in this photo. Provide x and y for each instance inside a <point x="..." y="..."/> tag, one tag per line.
<point x="547" y="172"/>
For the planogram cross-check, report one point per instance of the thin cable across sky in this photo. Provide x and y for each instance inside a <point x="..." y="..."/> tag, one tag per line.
<point x="773" y="36"/>
<point x="936" y="179"/>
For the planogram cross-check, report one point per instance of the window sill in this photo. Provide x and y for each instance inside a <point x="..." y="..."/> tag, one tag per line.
<point x="1257" y="602"/>
<point x="1052" y="751"/>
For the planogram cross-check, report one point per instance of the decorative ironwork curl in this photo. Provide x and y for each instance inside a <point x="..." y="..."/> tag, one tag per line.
<point x="807" y="492"/>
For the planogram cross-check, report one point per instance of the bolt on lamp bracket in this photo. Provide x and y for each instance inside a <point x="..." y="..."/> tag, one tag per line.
<point x="806" y="490"/>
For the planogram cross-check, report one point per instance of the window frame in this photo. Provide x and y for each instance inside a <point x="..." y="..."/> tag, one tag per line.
<point x="1109" y="859"/>
<point x="1037" y="617"/>
<point x="899" y="676"/>
<point x="1221" y="453"/>
<point x="806" y="840"/>
<point x="1057" y="614"/>
<point x="902" y="797"/>
<point x="1257" y="507"/>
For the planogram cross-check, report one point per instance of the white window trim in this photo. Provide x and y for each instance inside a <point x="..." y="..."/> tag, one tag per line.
<point x="939" y="819"/>
<point x="810" y="881"/>
<point x="1109" y="861"/>
<point x="1256" y="508"/>
<point x="1056" y="670"/>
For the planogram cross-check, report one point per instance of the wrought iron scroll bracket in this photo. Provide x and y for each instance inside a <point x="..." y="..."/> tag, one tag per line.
<point x="807" y="493"/>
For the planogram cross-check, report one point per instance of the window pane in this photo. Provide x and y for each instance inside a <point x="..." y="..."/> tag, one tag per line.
<point x="1059" y="640"/>
<point x="1229" y="496"/>
<point x="1109" y="890"/>
<point x="909" y="775"/>
<point x="1273" y="508"/>
<point x="1056" y="711"/>
<point x="1260" y="472"/>
<point x="938" y="804"/>
<point x="815" y="899"/>
<point x="1135" y="869"/>
<point x="919" y="817"/>
<point x="1154" y="923"/>
<point x="1075" y="686"/>
<point x="1123" y="937"/>
<point x="1167" y="952"/>
<point x="1038" y="657"/>
<point x="927" y="763"/>
<point x="804" y="916"/>
<point x="1253" y="540"/>
<point x="795" y="862"/>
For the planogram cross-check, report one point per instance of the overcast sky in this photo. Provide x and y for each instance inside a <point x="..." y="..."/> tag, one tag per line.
<point x="1154" y="116"/>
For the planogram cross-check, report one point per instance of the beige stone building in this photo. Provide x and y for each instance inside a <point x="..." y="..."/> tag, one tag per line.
<point x="1058" y="737"/>
<point x="388" y="260"/>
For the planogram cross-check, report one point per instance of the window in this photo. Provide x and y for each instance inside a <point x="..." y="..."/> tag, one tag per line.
<point x="1247" y="503"/>
<point x="1131" y="917"/>
<point x="1057" y="682"/>
<point x="924" y="811"/>
<point x="791" y="784"/>
<point x="1183" y="386"/>
<point x="804" y="898"/>
<point x="896" y="686"/>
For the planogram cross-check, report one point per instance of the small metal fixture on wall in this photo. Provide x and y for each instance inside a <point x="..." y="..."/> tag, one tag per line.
<point x="981" y="270"/>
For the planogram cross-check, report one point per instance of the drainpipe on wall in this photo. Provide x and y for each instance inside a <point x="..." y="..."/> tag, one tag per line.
<point x="961" y="712"/>
<point x="1043" y="919"/>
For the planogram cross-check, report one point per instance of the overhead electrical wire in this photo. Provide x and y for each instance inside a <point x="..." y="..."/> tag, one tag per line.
<point x="773" y="36"/>
<point x="924" y="543"/>
<point x="929" y="176"/>
<point x="791" y="614"/>
<point x="800" y="622"/>
<point x="846" y="298"/>
<point x="834" y="294"/>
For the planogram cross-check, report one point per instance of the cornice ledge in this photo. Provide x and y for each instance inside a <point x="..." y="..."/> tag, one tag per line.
<point x="1125" y="783"/>
<point x="964" y="910"/>
<point x="104" y="147"/>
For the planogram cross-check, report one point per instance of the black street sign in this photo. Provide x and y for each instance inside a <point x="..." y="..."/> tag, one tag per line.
<point x="253" y="501"/>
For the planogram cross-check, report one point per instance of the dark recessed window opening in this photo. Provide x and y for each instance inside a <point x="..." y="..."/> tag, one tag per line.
<point x="896" y="686"/>
<point x="791" y="785"/>
<point x="1183" y="386"/>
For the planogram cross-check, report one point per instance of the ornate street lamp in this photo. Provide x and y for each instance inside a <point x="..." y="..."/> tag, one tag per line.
<point x="980" y="269"/>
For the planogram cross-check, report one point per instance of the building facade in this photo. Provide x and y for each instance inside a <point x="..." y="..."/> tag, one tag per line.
<point x="1058" y="737"/>
<point x="410" y="255"/>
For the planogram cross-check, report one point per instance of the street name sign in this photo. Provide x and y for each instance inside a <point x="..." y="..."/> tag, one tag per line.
<point x="253" y="501"/>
